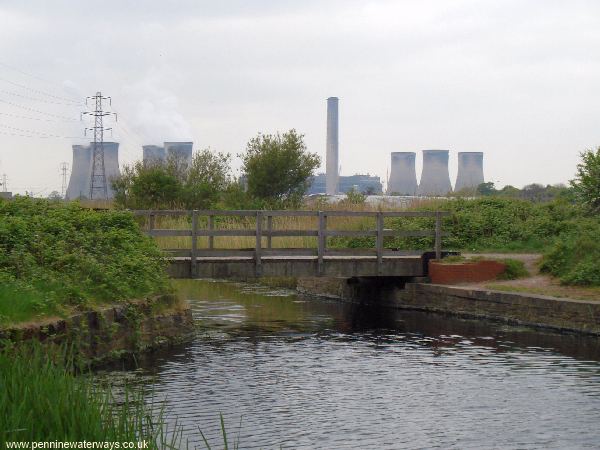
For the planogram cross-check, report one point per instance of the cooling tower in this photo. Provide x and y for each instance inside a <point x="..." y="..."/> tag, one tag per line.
<point x="111" y="164"/>
<point x="153" y="154"/>
<point x="403" y="176"/>
<point x="331" y="155"/>
<point x="435" y="179"/>
<point x="79" y="182"/>
<point x="470" y="170"/>
<point x="179" y="150"/>
<point x="81" y="170"/>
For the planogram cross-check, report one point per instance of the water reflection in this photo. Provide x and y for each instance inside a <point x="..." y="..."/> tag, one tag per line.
<point x="308" y="373"/>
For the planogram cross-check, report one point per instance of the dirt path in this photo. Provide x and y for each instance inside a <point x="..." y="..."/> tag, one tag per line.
<point x="536" y="283"/>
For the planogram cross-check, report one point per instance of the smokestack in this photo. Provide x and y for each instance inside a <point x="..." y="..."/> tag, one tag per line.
<point x="435" y="178"/>
<point x="180" y="150"/>
<point x="111" y="164"/>
<point x="153" y="154"/>
<point x="470" y="170"/>
<point x="81" y="168"/>
<point x="331" y="162"/>
<point x="403" y="176"/>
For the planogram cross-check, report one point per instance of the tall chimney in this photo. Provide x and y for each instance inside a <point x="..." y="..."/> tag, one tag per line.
<point x="403" y="176"/>
<point x="435" y="178"/>
<point x="470" y="170"/>
<point x="332" y="160"/>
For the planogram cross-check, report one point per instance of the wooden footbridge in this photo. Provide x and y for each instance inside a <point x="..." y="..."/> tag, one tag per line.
<point x="263" y="258"/>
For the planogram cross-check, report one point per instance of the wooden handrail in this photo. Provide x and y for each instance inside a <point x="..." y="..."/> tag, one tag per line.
<point x="259" y="231"/>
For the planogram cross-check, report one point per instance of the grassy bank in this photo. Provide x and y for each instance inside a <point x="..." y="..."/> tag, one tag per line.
<point x="43" y="400"/>
<point x="57" y="257"/>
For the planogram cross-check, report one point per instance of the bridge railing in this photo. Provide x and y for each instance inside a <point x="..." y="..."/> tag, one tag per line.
<point x="264" y="229"/>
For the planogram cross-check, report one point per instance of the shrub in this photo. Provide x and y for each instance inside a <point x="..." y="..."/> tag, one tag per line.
<point x="56" y="254"/>
<point x="574" y="257"/>
<point x="514" y="269"/>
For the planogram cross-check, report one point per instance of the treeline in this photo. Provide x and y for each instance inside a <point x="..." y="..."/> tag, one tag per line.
<point x="277" y="171"/>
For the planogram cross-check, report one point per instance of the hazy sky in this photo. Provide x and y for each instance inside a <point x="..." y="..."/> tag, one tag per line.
<point x="518" y="80"/>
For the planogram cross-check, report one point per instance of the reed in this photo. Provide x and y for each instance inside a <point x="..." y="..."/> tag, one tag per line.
<point x="42" y="399"/>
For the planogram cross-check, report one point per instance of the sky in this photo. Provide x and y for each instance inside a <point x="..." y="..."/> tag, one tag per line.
<point x="516" y="79"/>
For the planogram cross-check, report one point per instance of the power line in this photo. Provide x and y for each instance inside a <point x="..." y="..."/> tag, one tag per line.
<point x="37" y="110"/>
<point x="40" y="133"/>
<point x="41" y="100"/>
<point x="8" y="133"/>
<point x="38" y="91"/>
<point x="43" y="119"/>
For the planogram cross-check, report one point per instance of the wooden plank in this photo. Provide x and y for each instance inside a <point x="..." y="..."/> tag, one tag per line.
<point x="226" y="233"/>
<point x="160" y="232"/>
<point x="223" y="253"/>
<point x="351" y="233"/>
<point x="409" y="233"/>
<point x="291" y="213"/>
<point x="321" y="241"/>
<point x="379" y="242"/>
<point x="290" y="233"/>
<point x="350" y="252"/>
<point x="438" y="236"/>
<point x="269" y="231"/>
<point x="258" y="249"/>
<point x="177" y="252"/>
<point x="194" y="266"/>
<point x="413" y="213"/>
<point x="211" y="227"/>
<point x="351" y="213"/>
<point x="290" y="252"/>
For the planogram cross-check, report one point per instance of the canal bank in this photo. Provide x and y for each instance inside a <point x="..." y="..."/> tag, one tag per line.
<point x="110" y="332"/>
<point x="565" y="315"/>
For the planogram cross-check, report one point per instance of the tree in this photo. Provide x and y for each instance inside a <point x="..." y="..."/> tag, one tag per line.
<point x="279" y="167"/>
<point x="586" y="184"/>
<point x="174" y="183"/>
<point x="486" y="188"/>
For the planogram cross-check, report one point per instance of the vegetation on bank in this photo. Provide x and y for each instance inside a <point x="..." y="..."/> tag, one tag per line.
<point x="43" y="400"/>
<point x="59" y="256"/>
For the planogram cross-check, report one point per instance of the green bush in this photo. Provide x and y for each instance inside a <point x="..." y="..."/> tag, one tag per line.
<point x="574" y="256"/>
<point x="514" y="269"/>
<point x="62" y="254"/>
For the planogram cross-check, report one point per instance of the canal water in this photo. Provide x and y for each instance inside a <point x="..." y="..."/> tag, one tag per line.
<point x="288" y="371"/>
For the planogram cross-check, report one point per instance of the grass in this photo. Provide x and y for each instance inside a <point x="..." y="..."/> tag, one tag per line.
<point x="569" y="292"/>
<point x="43" y="400"/>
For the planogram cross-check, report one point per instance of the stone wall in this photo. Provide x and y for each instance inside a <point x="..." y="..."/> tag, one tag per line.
<point x="526" y="309"/>
<point x="109" y="332"/>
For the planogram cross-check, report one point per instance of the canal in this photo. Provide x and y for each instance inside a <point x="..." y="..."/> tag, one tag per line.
<point x="300" y="372"/>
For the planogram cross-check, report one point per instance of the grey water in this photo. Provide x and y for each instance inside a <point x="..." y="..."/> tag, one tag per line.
<point x="288" y="371"/>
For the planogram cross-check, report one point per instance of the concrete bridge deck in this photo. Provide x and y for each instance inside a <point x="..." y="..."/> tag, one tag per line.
<point x="265" y="260"/>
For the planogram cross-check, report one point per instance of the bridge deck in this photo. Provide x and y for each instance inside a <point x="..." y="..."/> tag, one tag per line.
<point x="298" y="266"/>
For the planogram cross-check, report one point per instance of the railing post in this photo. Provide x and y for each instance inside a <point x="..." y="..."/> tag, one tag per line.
<point x="438" y="235"/>
<point x="379" y="242"/>
<point x="258" y="249"/>
<point x="269" y="230"/>
<point x="193" y="261"/>
<point x="151" y="219"/>
<point x="211" y="227"/>
<point x="321" y="241"/>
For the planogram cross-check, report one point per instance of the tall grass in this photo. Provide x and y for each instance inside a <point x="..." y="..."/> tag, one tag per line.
<point x="41" y="399"/>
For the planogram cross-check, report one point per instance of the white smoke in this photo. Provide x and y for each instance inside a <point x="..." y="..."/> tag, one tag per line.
<point x="156" y="111"/>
